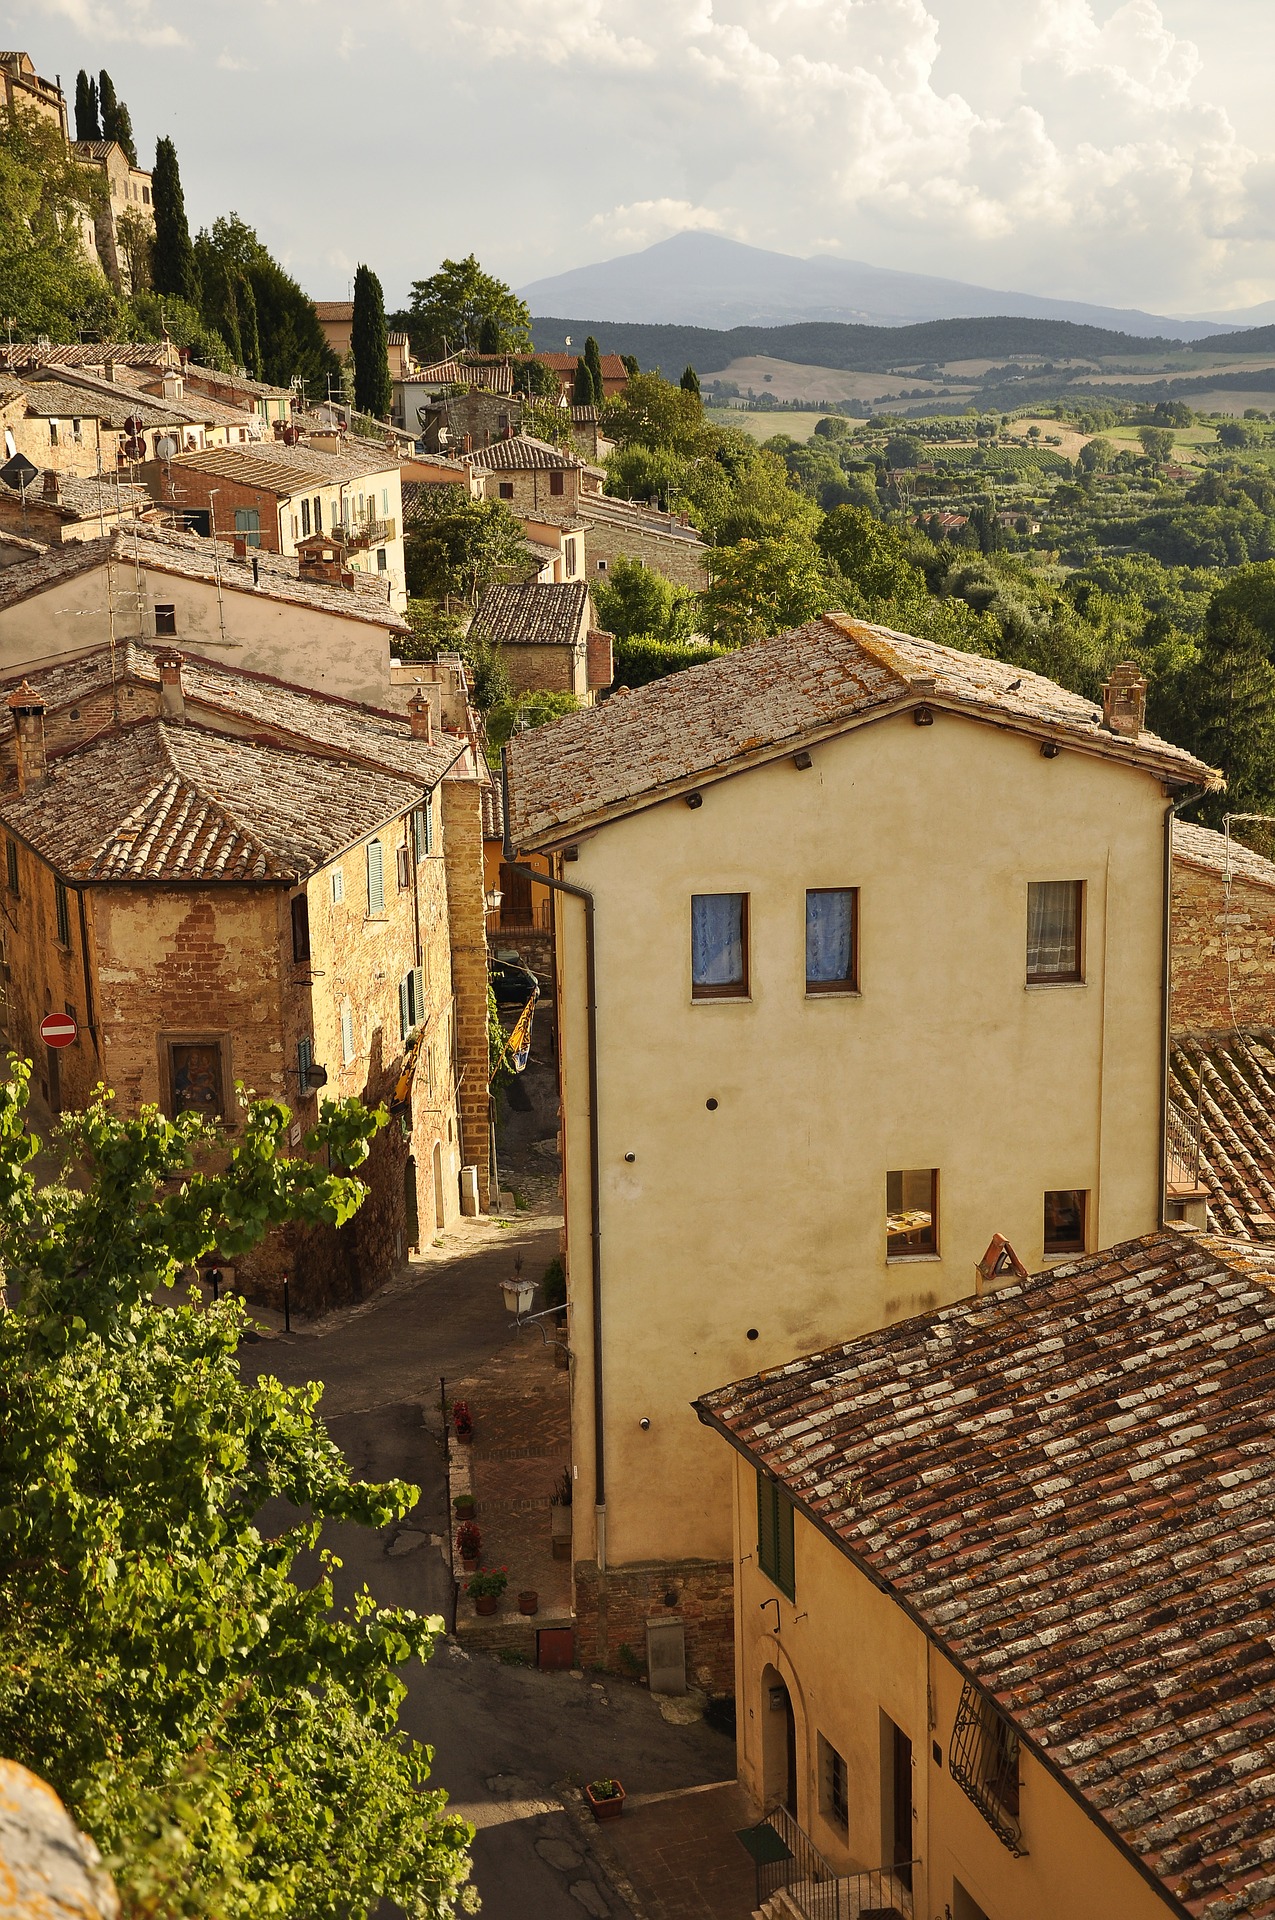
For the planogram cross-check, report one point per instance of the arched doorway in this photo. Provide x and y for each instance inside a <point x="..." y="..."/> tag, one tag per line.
<point x="778" y="1741"/>
<point x="440" y="1216"/>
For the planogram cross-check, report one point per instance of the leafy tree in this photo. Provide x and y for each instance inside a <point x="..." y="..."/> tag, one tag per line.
<point x="833" y="426"/>
<point x="173" y="261"/>
<point x="373" y="389"/>
<point x="904" y="450"/>
<point x="1236" y="433"/>
<point x="136" y="242"/>
<point x="149" y="316"/>
<point x="1095" y="456"/>
<point x="1229" y="711"/>
<point x="87" y="124"/>
<point x="631" y="599"/>
<point x="1157" y="443"/>
<point x="226" y="1733"/>
<point x="593" y="361"/>
<point x="630" y="364"/>
<point x="762" y="587"/>
<point x="447" y="312"/>
<point x="536" y="380"/>
<point x="645" y="657"/>
<point x="117" y="121"/>
<point x="278" y="326"/>
<point x="458" y="546"/>
<point x="582" y="389"/>
<point x="220" y="306"/>
<point x="872" y="558"/>
<point x="46" y="283"/>
<point x="489" y="335"/>
<point x="526" y="710"/>
<point x="653" y="413"/>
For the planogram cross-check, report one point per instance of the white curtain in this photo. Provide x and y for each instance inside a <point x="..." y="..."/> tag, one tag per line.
<point x="717" y="939"/>
<point x="1053" y="927"/>
<point x="829" y="934"/>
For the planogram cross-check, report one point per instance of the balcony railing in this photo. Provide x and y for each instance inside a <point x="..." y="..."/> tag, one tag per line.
<point x="357" y="534"/>
<point x="786" y="1857"/>
<point x="538" y="919"/>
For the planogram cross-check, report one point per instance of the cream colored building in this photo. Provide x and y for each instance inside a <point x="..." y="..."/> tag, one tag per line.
<point x="878" y="936"/>
<point x="1000" y="1652"/>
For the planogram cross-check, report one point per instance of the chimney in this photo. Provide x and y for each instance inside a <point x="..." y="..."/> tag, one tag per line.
<point x="51" y="487"/>
<point x="421" y="714"/>
<point x="1124" y="701"/>
<point x="241" y="546"/>
<point x="347" y="579"/>
<point x="172" y="700"/>
<point x="27" y="709"/>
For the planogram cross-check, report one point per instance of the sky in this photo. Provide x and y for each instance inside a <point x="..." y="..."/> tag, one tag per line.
<point x="1107" y="150"/>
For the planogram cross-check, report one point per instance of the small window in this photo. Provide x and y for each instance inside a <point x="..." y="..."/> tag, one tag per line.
<point x="195" y="1077"/>
<point x="775" y="1534"/>
<point x="506" y="489"/>
<point x="62" y="909"/>
<point x="832" y="939"/>
<point x="165" y="620"/>
<point x="347" y="1033"/>
<point x="834" y="1785"/>
<point x="423" y="829"/>
<point x="385" y="503"/>
<point x="53" y="433"/>
<point x="77" y="432"/>
<point x="146" y="195"/>
<point x="318" y="513"/>
<point x="411" y="1000"/>
<point x="1054" y="931"/>
<point x="382" y="560"/>
<point x="1065" y="1213"/>
<point x="248" y="523"/>
<point x="11" y="864"/>
<point x="338" y="886"/>
<point x="911" y="1212"/>
<point x="300" y="927"/>
<point x="602" y="566"/>
<point x="719" y="946"/>
<point x="305" y="519"/>
<point x="555" y="483"/>
<point x="375" y="877"/>
<point x="403" y="862"/>
<point x="983" y="1760"/>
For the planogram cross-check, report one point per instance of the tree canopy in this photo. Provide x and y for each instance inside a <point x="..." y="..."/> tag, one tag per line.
<point x="458" y="546"/>
<point x="373" y="389"/>
<point x="46" y="283"/>
<point x="173" y="259"/>
<point x="454" y="307"/>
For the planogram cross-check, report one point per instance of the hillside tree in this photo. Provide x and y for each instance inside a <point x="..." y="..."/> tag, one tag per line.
<point x="373" y="388"/>
<point x="582" y="389"/>
<point x="451" y="310"/>
<point x="117" y="121"/>
<point x="47" y="285"/>
<point x="761" y="587"/>
<point x="87" y="124"/>
<point x="173" y="260"/>
<point x="593" y="361"/>
<point x="689" y="381"/>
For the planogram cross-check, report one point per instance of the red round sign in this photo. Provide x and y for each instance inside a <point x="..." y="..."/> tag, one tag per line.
<point x="59" y="1030"/>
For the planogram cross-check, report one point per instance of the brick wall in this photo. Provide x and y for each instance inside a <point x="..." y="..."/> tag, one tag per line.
<point x="1205" y="928"/>
<point x="546" y="669"/>
<point x="190" y="488"/>
<point x="532" y="493"/>
<point x="682" y="561"/>
<point x="463" y="851"/>
<point x="612" y="1610"/>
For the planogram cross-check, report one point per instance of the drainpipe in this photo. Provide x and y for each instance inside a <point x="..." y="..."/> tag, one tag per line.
<point x="595" y="1234"/>
<point x="1166" y="982"/>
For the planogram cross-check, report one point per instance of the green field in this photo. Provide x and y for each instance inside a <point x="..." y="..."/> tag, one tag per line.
<point x="798" y="426"/>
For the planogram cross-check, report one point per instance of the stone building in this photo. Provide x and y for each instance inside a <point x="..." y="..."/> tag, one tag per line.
<point x="57" y="507"/>
<point x="546" y="637"/>
<point x="869" y="969"/>
<point x="534" y="479"/>
<point x="667" y="543"/>
<point x="229" y="879"/>
<point x="126" y="189"/>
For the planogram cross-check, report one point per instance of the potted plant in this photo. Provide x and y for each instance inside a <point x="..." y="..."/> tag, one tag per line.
<point x="605" y="1798"/>
<point x="560" y="1517"/>
<point x="463" y="1506"/>
<point x="485" y="1588"/>
<point x="463" y="1421"/>
<point x="469" y="1545"/>
<point x="529" y="1600"/>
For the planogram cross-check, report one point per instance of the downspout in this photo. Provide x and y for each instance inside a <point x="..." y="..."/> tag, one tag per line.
<point x="1166" y="985"/>
<point x="89" y="1021"/>
<point x="595" y="1228"/>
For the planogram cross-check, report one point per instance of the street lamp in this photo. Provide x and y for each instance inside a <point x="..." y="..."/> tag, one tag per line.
<point x="518" y="1293"/>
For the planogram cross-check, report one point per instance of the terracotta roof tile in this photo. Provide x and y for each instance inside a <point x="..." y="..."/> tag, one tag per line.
<point x="1070" y="1483"/>
<point x="281" y="469"/>
<point x="1204" y="848"/>
<point x="766" y="698"/>
<point x="82" y="497"/>
<point x="533" y="615"/>
<point x="522" y="453"/>
<point x="1222" y="1092"/>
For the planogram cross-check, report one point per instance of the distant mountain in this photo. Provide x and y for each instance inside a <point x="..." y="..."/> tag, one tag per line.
<point x="702" y="280"/>
<point x="1259" y="316"/>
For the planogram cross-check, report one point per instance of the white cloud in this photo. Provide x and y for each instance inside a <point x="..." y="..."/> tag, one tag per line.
<point x="137" y="21"/>
<point x="642" y="222"/>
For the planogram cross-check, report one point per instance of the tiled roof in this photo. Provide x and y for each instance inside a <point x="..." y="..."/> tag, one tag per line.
<point x="1204" y="848"/>
<point x="196" y="559"/>
<point x="166" y="801"/>
<point x="532" y="615"/>
<point x="1222" y="1091"/>
<point x="493" y="812"/>
<point x="134" y="353"/>
<point x="613" y="367"/>
<point x="603" y="509"/>
<point x="334" y="309"/>
<point x="522" y="453"/>
<point x="585" y="416"/>
<point x="773" y="695"/>
<point x="52" y="398"/>
<point x="494" y="375"/>
<point x="1070" y="1483"/>
<point x="325" y="723"/>
<point x="280" y="469"/>
<point x="82" y="497"/>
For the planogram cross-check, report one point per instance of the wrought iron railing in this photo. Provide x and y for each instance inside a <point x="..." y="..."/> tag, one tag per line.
<point x="983" y="1761"/>
<point x="1184" y="1145"/>
<point x="788" y="1858"/>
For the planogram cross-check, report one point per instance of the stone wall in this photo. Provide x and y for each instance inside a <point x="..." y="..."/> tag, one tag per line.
<point x="612" y="1610"/>
<point x="1223" y="950"/>
<point x="683" y="561"/>
<point x="466" y="908"/>
<point x="546" y="669"/>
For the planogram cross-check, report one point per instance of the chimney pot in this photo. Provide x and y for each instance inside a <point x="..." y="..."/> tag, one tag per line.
<point x="51" y="484"/>
<point x="27" y="709"/>
<point x="421" y="716"/>
<point x="172" y="698"/>
<point x="1124" y="701"/>
<point x="241" y="546"/>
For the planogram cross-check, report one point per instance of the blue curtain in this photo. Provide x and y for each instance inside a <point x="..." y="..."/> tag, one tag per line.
<point x="829" y="934"/>
<point x="717" y="939"/>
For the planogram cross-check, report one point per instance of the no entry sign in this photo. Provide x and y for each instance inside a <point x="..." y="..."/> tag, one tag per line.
<point x="59" y="1030"/>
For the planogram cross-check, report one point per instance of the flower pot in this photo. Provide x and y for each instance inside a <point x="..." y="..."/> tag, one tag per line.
<point x="466" y="1439"/>
<point x="608" y="1809"/>
<point x="529" y="1601"/>
<point x="469" y="1562"/>
<point x="485" y="1603"/>
<point x="463" y="1506"/>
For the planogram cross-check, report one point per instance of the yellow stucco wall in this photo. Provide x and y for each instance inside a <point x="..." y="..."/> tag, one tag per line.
<point x="848" y="1654"/>
<point x="768" y="1213"/>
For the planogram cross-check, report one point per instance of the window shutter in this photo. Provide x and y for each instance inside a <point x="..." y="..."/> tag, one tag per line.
<point x="785" y="1575"/>
<point x="416" y="979"/>
<point x="347" y="1033"/>
<point x="403" y="855"/>
<point x="300" y="927"/>
<point x="304" y="1059"/>
<point x="767" y="1538"/>
<point x="375" y="877"/>
<point x="404" y="1006"/>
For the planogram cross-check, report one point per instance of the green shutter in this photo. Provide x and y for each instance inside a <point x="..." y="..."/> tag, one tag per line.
<point x="775" y="1535"/>
<point x="404" y="1006"/>
<point x="785" y="1577"/>
<point x="375" y="877"/>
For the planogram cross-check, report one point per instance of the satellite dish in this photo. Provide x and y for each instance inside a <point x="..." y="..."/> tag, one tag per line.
<point x="166" y="446"/>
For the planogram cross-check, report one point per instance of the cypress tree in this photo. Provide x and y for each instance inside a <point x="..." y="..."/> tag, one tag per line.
<point x="221" y="309"/>
<point x="173" y="270"/>
<point x="489" y="335"/>
<point x="373" y="391"/>
<point x="582" y="394"/>
<point x="249" y="334"/>
<point x="593" y="360"/>
<point x="689" y="382"/>
<point x="86" y="121"/>
<point x="117" y="122"/>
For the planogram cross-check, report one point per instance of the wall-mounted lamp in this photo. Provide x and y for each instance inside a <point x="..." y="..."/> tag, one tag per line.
<point x="923" y="717"/>
<point x="1050" y="750"/>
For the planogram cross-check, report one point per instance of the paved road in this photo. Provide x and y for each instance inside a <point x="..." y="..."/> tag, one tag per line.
<point x="502" y="1735"/>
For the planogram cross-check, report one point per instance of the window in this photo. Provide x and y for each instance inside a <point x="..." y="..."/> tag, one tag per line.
<point x="382" y="560"/>
<point x="832" y="940"/>
<point x="318" y="513"/>
<point x="347" y="1033"/>
<point x="506" y="489"/>
<point x="403" y="861"/>
<point x="165" y="619"/>
<point x="62" y="909"/>
<point x="555" y="483"/>
<point x="1053" y="931"/>
<point x="195" y="1077"/>
<point x="53" y="433"/>
<point x="338" y="886"/>
<point x="411" y="1000"/>
<point x="300" y="927"/>
<point x="375" y="877"/>
<point x="602" y="566"/>
<point x="834" y="1785"/>
<point x="911" y="1212"/>
<point x="294" y="526"/>
<point x="305" y="519"/>
<point x="11" y="864"/>
<point x="248" y="523"/>
<point x="385" y="503"/>
<point x="983" y="1760"/>
<point x="423" y="829"/>
<point x="569" y="551"/>
<point x="146" y="195"/>
<point x="719" y="946"/>
<point x="1065" y="1219"/>
<point x="77" y="432"/>
<point x="775" y="1534"/>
